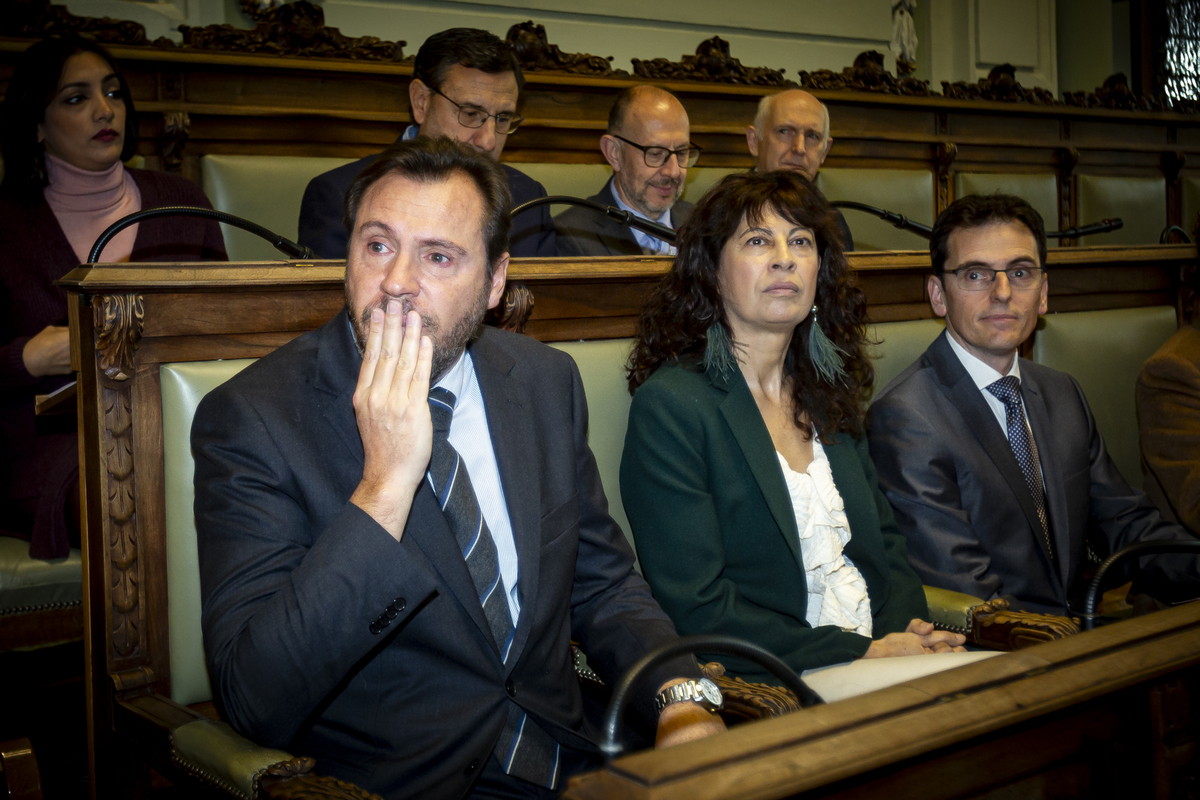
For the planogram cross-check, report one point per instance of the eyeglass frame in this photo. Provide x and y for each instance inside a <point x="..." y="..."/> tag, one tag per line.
<point x="646" y="153"/>
<point x="1035" y="270"/>
<point x="513" y="123"/>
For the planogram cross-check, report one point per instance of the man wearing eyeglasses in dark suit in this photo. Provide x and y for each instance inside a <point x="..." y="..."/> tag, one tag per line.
<point x="466" y="86"/>
<point x="993" y="464"/>
<point x="648" y="148"/>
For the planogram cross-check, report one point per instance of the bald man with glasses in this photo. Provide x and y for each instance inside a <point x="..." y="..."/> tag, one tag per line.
<point x="648" y="147"/>
<point x="466" y="86"/>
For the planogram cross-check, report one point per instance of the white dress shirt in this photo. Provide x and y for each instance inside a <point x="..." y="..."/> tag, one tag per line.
<point x="469" y="435"/>
<point x="650" y="245"/>
<point x="984" y="375"/>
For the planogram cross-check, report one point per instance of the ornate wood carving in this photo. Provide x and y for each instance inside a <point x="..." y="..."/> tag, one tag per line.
<point x="1000" y="86"/>
<point x="131" y="679"/>
<point x="1115" y="94"/>
<point x="749" y="701"/>
<point x="293" y="780"/>
<point x="119" y="319"/>
<point x="294" y="29"/>
<point x="118" y="323"/>
<point x="1189" y="289"/>
<point x="35" y="19"/>
<point x="995" y="625"/>
<point x="943" y="157"/>
<point x="711" y="63"/>
<point x="174" y="135"/>
<point x="1172" y="163"/>
<point x="515" y="307"/>
<point x="533" y="50"/>
<point x="1068" y="159"/>
<point x="867" y="75"/>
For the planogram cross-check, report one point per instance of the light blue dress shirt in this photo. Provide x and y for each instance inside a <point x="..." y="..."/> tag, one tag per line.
<point x="650" y="245"/>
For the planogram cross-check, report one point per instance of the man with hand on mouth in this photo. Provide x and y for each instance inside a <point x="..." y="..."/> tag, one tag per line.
<point x="648" y="148"/>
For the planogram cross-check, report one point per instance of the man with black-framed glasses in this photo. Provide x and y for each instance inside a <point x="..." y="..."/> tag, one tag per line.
<point x="466" y="86"/>
<point x="648" y="147"/>
<point x="993" y="464"/>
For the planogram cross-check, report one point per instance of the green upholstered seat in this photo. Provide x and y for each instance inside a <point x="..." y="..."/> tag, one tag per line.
<point x="31" y="584"/>
<point x="907" y="191"/>
<point x="183" y="386"/>
<point x="900" y="344"/>
<point x="1104" y="351"/>
<point x="262" y="189"/>
<point x="223" y="757"/>
<point x="1040" y="189"/>
<point x="1140" y="202"/>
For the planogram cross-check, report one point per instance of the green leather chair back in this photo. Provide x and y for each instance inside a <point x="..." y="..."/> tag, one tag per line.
<point x="1040" y="189"/>
<point x="31" y="584"/>
<point x="907" y="191"/>
<point x="262" y="189"/>
<point x="900" y="344"/>
<point x="602" y="368"/>
<point x="1191" y="204"/>
<point x="183" y="385"/>
<point x="1140" y="202"/>
<point x="1104" y="351"/>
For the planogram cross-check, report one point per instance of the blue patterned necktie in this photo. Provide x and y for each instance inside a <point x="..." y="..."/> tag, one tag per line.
<point x="1008" y="391"/>
<point x="524" y="749"/>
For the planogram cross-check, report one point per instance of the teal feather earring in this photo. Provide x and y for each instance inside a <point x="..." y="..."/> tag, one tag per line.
<point x="718" y="351"/>
<point x="825" y="356"/>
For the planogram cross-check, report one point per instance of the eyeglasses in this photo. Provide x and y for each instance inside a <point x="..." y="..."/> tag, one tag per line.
<point x="657" y="156"/>
<point x="474" y="117"/>
<point x="980" y="279"/>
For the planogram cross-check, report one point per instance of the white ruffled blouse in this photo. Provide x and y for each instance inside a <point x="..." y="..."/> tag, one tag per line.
<point x="837" y="593"/>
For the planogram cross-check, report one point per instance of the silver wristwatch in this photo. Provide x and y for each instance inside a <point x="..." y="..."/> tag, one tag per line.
<point x="702" y="691"/>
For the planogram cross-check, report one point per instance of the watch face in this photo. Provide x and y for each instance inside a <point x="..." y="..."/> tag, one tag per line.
<point x="711" y="693"/>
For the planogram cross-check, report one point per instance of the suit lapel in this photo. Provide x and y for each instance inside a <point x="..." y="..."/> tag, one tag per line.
<point x="968" y="399"/>
<point x="338" y="364"/>
<point x="744" y="420"/>
<point x="1051" y="464"/>
<point x="514" y="441"/>
<point x="609" y="230"/>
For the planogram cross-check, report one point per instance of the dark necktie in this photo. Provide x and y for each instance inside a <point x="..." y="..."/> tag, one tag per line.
<point x="1008" y="391"/>
<point x="524" y="749"/>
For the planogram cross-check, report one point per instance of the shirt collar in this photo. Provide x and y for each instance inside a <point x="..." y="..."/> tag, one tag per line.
<point x="665" y="219"/>
<point x="982" y="374"/>
<point x="455" y="379"/>
<point x="410" y="133"/>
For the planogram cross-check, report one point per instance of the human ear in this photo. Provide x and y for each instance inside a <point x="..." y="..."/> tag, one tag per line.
<point x="418" y="96"/>
<point x="611" y="148"/>
<point x="937" y="296"/>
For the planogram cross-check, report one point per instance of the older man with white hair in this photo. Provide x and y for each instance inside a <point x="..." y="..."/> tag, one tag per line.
<point x="791" y="131"/>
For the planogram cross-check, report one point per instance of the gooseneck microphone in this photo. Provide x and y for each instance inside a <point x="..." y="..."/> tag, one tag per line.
<point x="624" y="217"/>
<point x="899" y="220"/>
<point x="282" y="244"/>
<point x="1103" y="226"/>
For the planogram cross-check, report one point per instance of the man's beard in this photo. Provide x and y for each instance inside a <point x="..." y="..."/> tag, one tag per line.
<point x="447" y="345"/>
<point x="642" y="195"/>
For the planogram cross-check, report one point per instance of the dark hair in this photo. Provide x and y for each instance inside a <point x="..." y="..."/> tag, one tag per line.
<point x="426" y="159"/>
<point x="467" y="47"/>
<point x="620" y="106"/>
<point x="674" y="323"/>
<point x="976" y="210"/>
<point x="33" y="85"/>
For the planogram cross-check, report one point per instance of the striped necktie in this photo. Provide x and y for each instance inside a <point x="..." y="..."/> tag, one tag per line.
<point x="524" y="749"/>
<point x="1008" y="391"/>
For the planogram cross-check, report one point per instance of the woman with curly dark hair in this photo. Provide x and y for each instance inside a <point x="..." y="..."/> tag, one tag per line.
<point x="745" y="474"/>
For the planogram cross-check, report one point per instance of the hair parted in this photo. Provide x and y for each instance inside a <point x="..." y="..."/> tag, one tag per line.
<point x="472" y="48"/>
<point x="33" y="85"/>
<point x="977" y="210"/>
<point x="674" y="323"/>
<point x="426" y="160"/>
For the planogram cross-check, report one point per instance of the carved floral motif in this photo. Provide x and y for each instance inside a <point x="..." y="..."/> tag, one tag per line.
<point x="867" y="75"/>
<point x="1000" y="86"/>
<point x="1115" y="94"/>
<point x="750" y="701"/>
<point x="529" y="42"/>
<point x="515" y="307"/>
<point x="996" y="626"/>
<point x="34" y="19"/>
<point x="713" y="64"/>
<point x="294" y="29"/>
<point x="174" y="135"/>
<point x="293" y="780"/>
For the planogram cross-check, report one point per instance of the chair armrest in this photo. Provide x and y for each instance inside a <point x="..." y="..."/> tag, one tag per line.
<point x="215" y="754"/>
<point x="992" y="624"/>
<point x="744" y="701"/>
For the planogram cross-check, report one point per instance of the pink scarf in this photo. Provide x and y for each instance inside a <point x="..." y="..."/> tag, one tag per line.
<point x="86" y="202"/>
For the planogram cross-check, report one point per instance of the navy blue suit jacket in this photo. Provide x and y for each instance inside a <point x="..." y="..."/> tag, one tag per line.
<point x="321" y="213"/>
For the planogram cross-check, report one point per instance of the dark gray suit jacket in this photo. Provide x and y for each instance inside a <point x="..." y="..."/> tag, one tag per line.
<point x="297" y="581"/>
<point x="582" y="232"/>
<point x="961" y="499"/>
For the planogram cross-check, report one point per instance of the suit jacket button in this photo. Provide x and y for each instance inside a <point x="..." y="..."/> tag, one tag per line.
<point x="376" y="627"/>
<point x="399" y="604"/>
<point x="392" y="612"/>
<point x="510" y="687"/>
<point x="471" y="767"/>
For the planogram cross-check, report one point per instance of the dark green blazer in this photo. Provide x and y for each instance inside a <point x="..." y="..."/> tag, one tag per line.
<point x="716" y="534"/>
